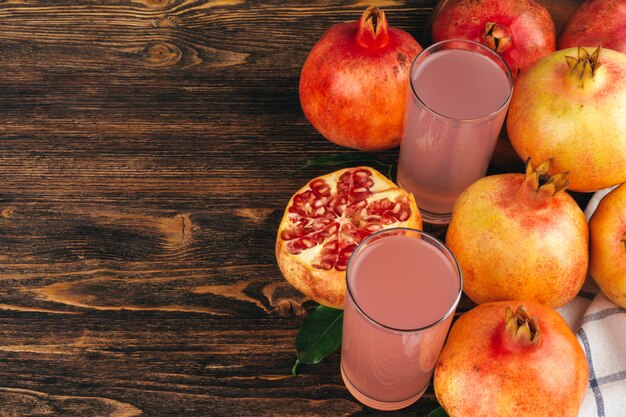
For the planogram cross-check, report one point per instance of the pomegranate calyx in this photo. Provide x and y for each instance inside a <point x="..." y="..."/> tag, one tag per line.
<point x="521" y="327"/>
<point x="497" y="37"/>
<point x="540" y="181"/>
<point x="373" y="29"/>
<point x="585" y="66"/>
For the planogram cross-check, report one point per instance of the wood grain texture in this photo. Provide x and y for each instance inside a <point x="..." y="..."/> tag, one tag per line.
<point x="147" y="150"/>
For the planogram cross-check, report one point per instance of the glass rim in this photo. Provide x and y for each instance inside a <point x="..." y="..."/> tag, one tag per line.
<point x="491" y="52"/>
<point x="435" y="242"/>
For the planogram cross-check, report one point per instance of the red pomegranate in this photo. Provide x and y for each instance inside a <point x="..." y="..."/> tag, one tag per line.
<point x="327" y="218"/>
<point x="596" y="23"/>
<point x="511" y="359"/>
<point x="521" y="31"/>
<point x="354" y="82"/>
<point x="520" y="237"/>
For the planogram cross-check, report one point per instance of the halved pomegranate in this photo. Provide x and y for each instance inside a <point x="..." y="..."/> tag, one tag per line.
<point x="325" y="221"/>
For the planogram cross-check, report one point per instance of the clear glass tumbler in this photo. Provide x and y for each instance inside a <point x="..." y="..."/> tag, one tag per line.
<point x="403" y="287"/>
<point x="456" y="104"/>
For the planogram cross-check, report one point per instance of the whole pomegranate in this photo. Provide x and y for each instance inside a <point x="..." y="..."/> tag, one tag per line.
<point x="327" y="218"/>
<point x="511" y="359"/>
<point x="607" y="229"/>
<point x="570" y="106"/>
<point x="596" y="23"/>
<point x="354" y="82"/>
<point x="521" y="31"/>
<point x="520" y="237"/>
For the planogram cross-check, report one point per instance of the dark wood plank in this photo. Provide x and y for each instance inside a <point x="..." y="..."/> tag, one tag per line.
<point x="147" y="150"/>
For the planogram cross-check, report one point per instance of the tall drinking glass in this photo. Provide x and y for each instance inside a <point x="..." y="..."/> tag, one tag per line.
<point x="403" y="288"/>
<point x="458" y="97"/>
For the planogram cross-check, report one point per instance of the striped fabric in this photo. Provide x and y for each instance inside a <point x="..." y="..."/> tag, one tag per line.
<point x="600" y="327"/>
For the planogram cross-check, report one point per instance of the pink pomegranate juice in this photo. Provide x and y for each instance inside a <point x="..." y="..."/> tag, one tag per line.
<point x="454" y="113"/>
<point x="400" y="283"/>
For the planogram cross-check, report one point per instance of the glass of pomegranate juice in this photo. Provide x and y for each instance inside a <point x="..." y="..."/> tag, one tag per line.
<point x="458" y="97"/>
<point x="403" y="288"/>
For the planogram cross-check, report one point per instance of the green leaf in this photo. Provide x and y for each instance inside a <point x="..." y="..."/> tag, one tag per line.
<point x="440" y="412"/>
<point x="345" y="158"/>
<point x="319" y="336"/>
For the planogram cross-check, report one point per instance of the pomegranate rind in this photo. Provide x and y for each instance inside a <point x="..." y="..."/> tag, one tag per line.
<point x="607" y="248"/>
<point x="580" y="125"/>
<point x="482" y="372"/>
<point x="328" y="287"/>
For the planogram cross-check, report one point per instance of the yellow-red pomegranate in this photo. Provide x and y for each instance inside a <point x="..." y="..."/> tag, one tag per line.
<point x="607" y="229"/>
<point x="571" y="106"/>
<point x="325" y="221"/>
<point x="521" y="31"/>
<point x="520" y="237"/>
<point x="354" y="82"/>
<point x="596" y="23"/>
<point x="511" y="359"/>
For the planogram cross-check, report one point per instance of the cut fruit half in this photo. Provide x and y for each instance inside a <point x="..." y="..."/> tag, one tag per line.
<point x="325" y="221"/>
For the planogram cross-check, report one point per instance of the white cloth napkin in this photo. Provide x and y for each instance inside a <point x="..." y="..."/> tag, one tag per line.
<point x="600" y="327"/>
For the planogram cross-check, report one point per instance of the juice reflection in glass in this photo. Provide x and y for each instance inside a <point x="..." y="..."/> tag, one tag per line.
<point x="458" y="97"/>
<point x="403" y="288"/>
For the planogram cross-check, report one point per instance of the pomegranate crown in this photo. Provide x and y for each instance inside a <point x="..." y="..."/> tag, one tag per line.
<point x="539" y="179"/>
<point x="585" y="66"/>
<point x="497" y="37"/>
<point x="373" y="29"/>
<point x="522" y="327"/>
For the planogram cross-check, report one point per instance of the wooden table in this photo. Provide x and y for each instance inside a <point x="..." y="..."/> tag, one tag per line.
<point x="147" y="151"/>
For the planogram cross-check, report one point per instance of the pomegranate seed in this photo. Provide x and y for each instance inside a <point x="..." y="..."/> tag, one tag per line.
<point x="397" y="208"/>
<point x="332" y="229"/>
<point x="404" y="215"/>
<point x="360" y="190"/>
<point x="317" y="182"/>
<point x="347" y="239"/>
<point x="359" y="204"/>
<point x="341" y="265"/>
<point x="329" y="257"/>
<point x="320" y="202"/>
<point x="327" y="265"/>
<point x="319" y="211"/>
<point x="332" y="246"/>
<point x="387" y="219"/>
<point x="318" y="226"/>
<point x="291" y="248"/>
<point x="325" y="190"/>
